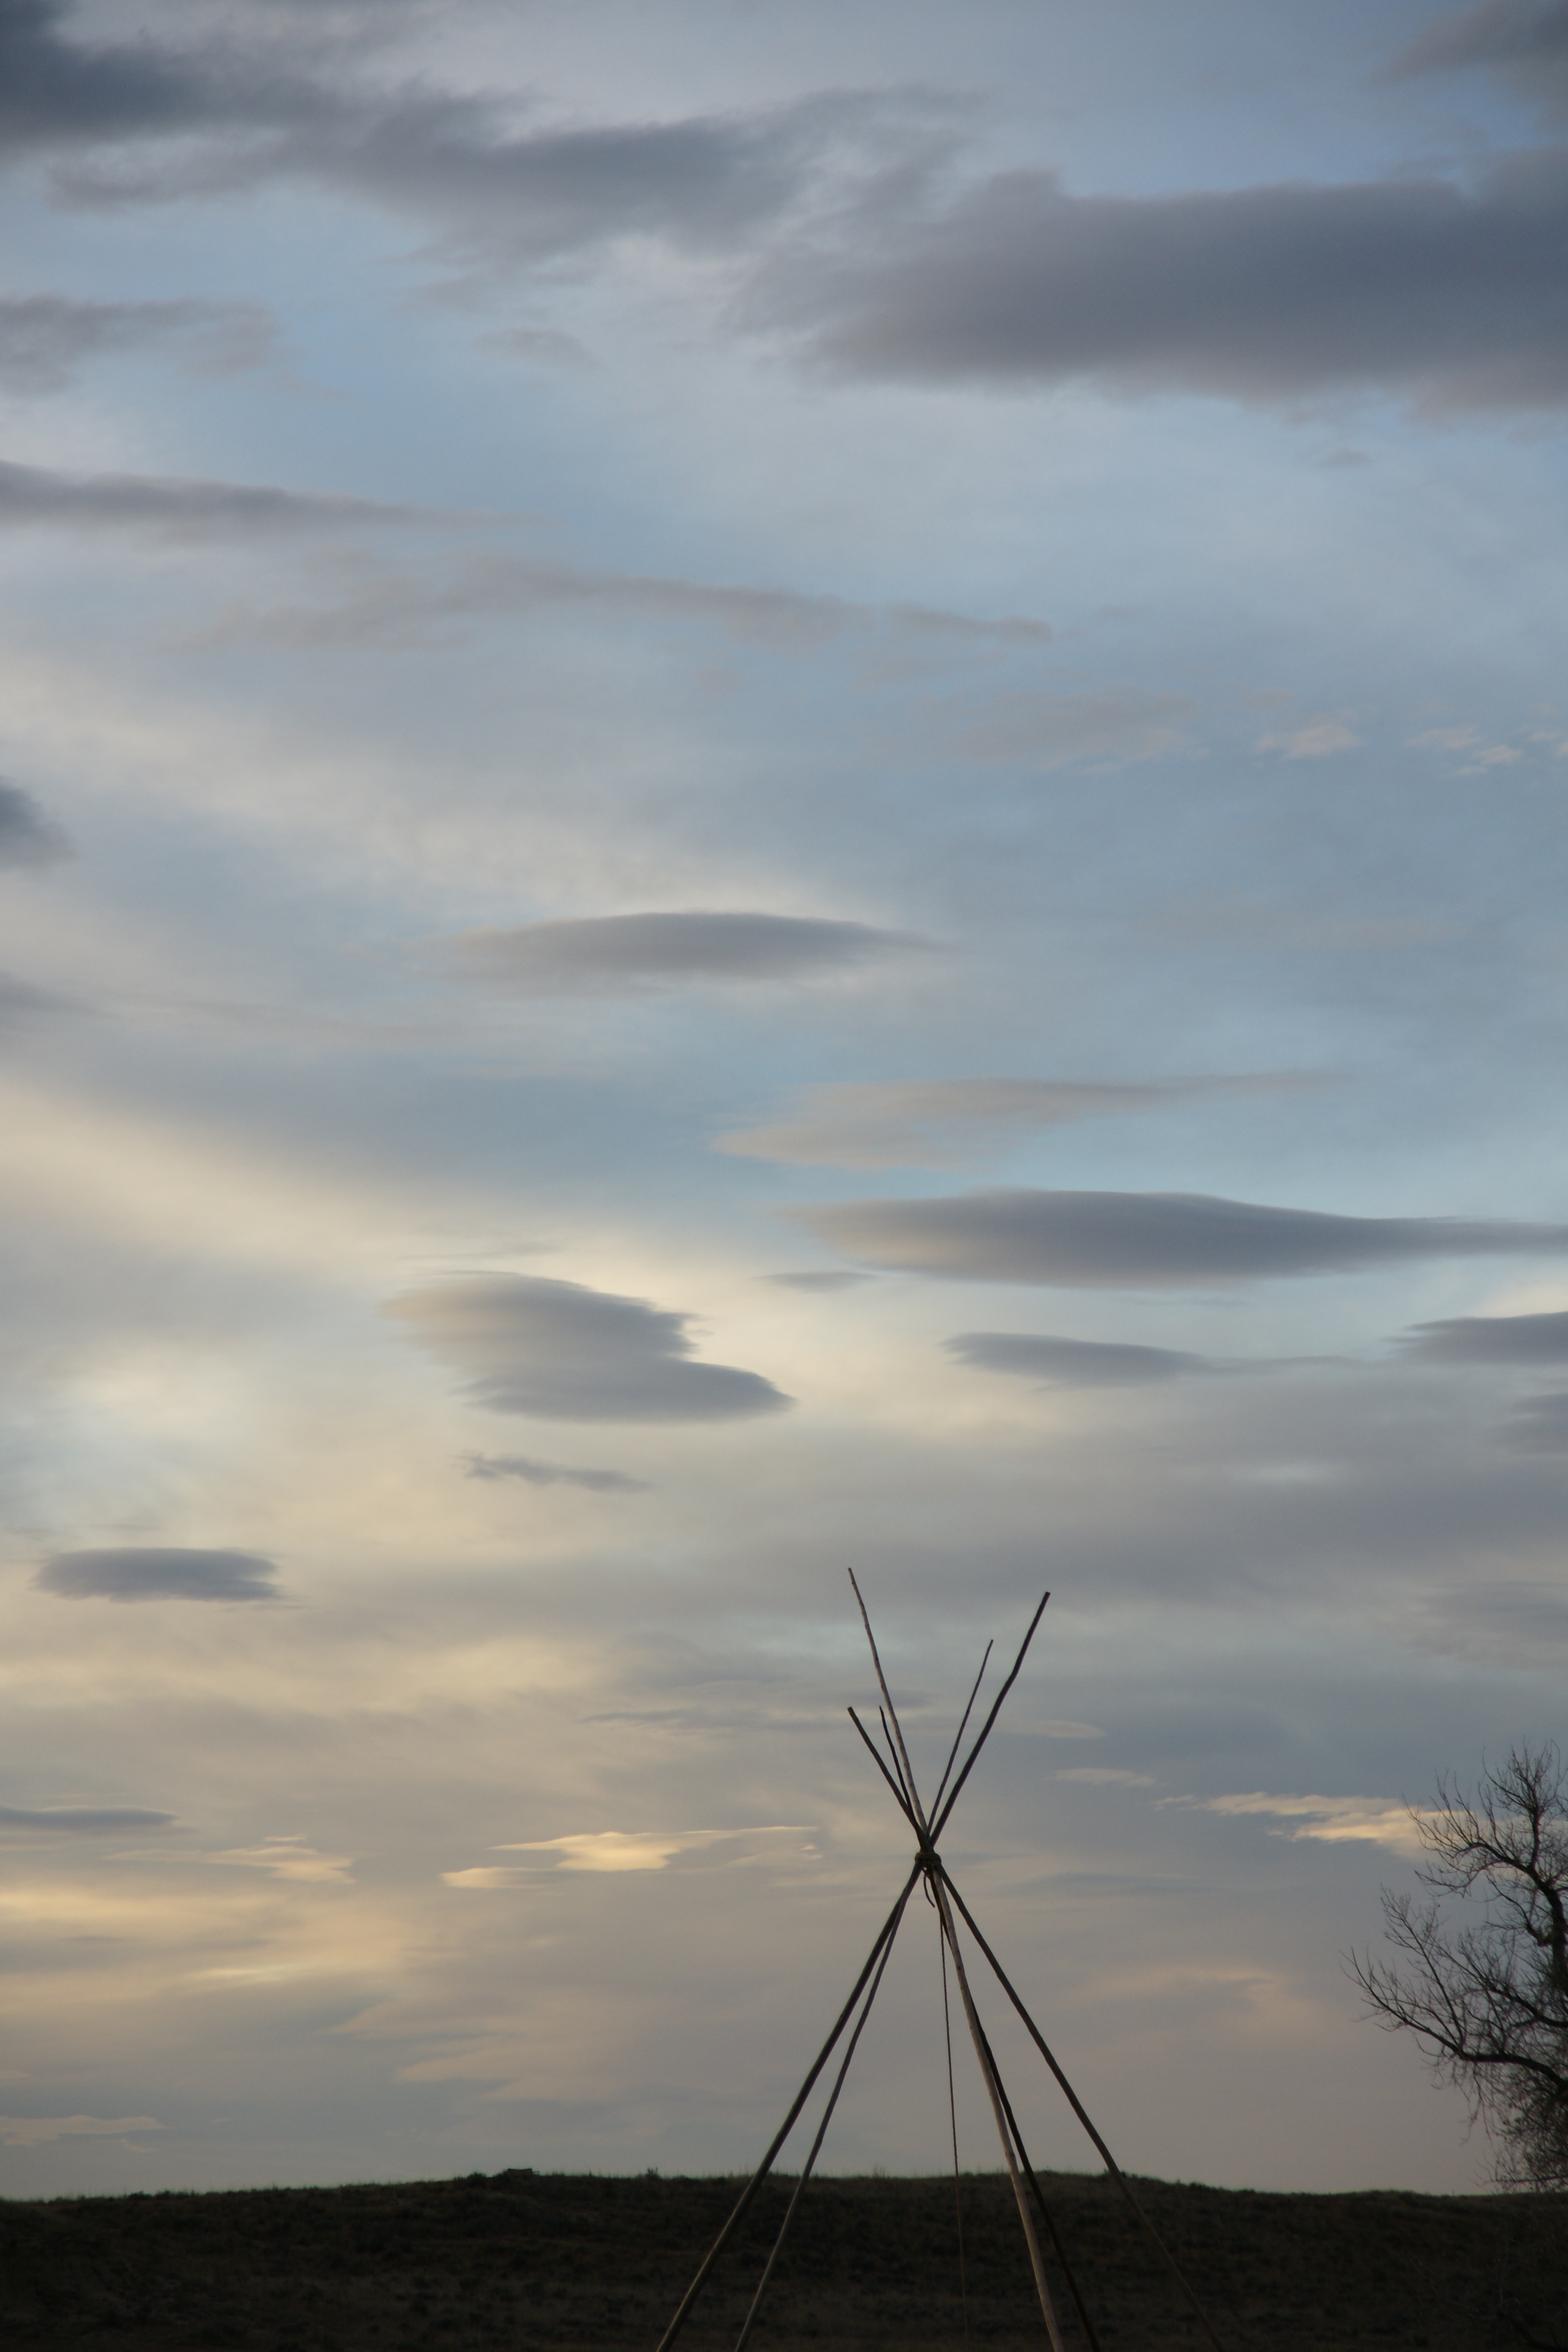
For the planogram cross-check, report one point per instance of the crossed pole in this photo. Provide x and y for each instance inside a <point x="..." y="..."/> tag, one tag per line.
<point x="927" y="1865"/>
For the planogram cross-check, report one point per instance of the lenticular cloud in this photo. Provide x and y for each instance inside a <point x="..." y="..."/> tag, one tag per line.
<point x="167" y="1572"/>
<point x="528" y="1344"/>
<point x="1152" y="1240"/>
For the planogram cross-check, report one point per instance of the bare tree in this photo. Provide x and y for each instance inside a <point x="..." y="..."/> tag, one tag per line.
<point x="1488" y="2000"/>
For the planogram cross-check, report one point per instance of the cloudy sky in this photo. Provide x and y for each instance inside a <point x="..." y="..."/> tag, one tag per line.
<point x="783" y="785"/>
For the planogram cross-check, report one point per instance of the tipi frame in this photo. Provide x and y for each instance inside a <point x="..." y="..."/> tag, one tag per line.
<point x="949" y="1907"/>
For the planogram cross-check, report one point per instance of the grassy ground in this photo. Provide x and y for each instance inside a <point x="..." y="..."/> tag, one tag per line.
<point x="550" y="2260"/>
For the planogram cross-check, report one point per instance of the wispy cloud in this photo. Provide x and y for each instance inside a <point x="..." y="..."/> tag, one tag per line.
<point x="1315" y="739"/>
<point x="1328" y="1821"/>
<point x="374" y="605"/>
<point x="491" y="1466"/>
<point x="37" y="2131"/>
<point x="1524" y="1339"/>
<point x="941" y="1122"/>
<point x="28" y="837"/>
<point x="1044" y="728"/>
<point x="1523" y="41"/>
<point x="286" y="1857"/>
<point x="612" y="1851"/>
<point x="174" y="507"/>
<point x="46" y="338"/>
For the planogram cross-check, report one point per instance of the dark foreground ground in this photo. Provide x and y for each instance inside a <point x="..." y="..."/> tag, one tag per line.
<point x="549" y="2260"/>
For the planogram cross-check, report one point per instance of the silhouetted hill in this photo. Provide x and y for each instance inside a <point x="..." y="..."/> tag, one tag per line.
<point x="871" y="2266"/>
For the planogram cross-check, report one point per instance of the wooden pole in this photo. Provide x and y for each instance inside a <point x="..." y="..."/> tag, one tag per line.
<point x="942" y="1820"/>
<point x="963" y="1727"/>
<point x="988" y="2071"/>
<point x="807" y="2167"/>
<point x="889" y="1927"/>
<point x="930" y="1862"/>
<point x="899" y="1797"/>
<point x="1045" y="2211"/>
<point x="1083" y="2114"/>
<point x="888" y="1700"/>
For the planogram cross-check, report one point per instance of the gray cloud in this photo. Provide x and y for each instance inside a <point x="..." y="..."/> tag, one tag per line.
<point x="940" y="1122"/>
<point x="526" y="1343"/>
<point x="221" y="114"/>
<point x="19" y="1001"/>
<point x="179" y="509"/>
<point x="812" y="1279"/>
<point x="1450" y="294"/>
<point x="1538" y="1425"/>
<point x="1526" y="41"/>
<point x="1073" y="1363"/>
<point x="552" y="1474"/>
<point x="382" y="607"/>
<point x="1045" y="731"/>
<point x="28" y="837"/>
<point x="147" y="1572"/>
<point x="51" y="91"/>
<point x="1490" y="1339"/>
<point x="44" y="338"/>
<point x="633" y="950"/>
<point x="1164" y="1240"/>
<point x="77" y="1820"/>
<point x="1446" y="293"/>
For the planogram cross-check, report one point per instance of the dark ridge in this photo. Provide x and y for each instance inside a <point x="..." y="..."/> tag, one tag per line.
<point x="522" y="2258"/>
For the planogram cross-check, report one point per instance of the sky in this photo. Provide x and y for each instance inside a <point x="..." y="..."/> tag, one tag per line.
<point x="784" y="787"/>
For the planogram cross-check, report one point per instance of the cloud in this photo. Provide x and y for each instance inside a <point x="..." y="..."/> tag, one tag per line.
<point x="19" y="1001"/>
<point x="18" y="1822"/>
<point x="1524" y="40"/>
<point x="1447" y="293"/>
<point x="654" y="950"/>
<point x="1319" y="739"/>
<point x="1057" y="1728"/>
<point x="552" y="1474"/>
<point x="1043" y="731"/>
<point x="222" y="114"/>
<point x="1538" y="1425"/>
<point x="1331" y="1821"/>
<point x="1107" y="1776"/>
<point x="28" y="837"/>
<point x="56" y="92"/>
<point x="526" y="1343"/>
<point x="179" y="509"/>
<point x="1445" y="738"/>
<point x="1424" y="285"/>
<point x="941" y="1122"/>
<point x="46" y="338"/>
<point x="621" y="1850"/>
<point x="139" y="1572"/>
<point x="1163" y="1240"/>
<point x="36" y="2131"/>
<point x="1073" y="1363"/>
<point x="1490" y="1339"/>
<point x="812" y="1279"/>
<point x="384" y="607"/>
<point x="286" y="1857"/>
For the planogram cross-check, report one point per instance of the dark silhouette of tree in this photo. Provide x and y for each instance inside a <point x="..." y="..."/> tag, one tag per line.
<point x="1488" y="1998"/>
